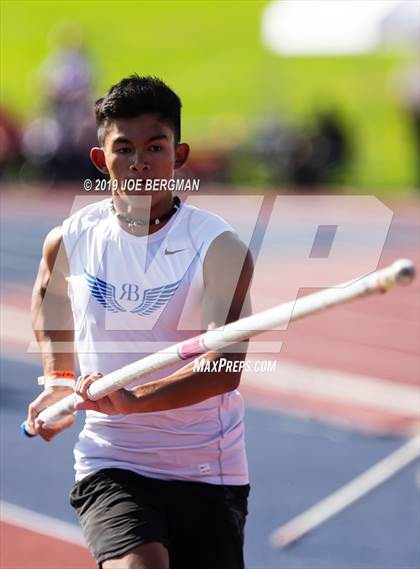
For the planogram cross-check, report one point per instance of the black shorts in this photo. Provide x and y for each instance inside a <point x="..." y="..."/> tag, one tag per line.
<point x="201" y="525"/>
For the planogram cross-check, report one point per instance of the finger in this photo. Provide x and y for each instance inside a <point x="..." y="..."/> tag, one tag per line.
<point x="83" y="386"/>
<point x="77" y="384"/>
<point x="86" y="405"/>
<point x="80" y="381"/>
<point x="49" y="432"/>
<point x="85" y="382"/>
<point x="33" y="411"/>
<point x="94" y="377"/>
<point x="39" y="428"/>
<point x="30" y="420"/>
<point x="82" y="404"/>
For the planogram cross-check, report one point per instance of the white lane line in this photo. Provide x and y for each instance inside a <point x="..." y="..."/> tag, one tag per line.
<point x="346" y="495"/>
<point x="39" y="523"/>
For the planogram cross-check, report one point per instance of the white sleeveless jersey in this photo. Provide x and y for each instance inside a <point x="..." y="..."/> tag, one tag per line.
<point x="132" y="296"/>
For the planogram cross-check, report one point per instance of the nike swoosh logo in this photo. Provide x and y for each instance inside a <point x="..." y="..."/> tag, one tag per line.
<point x="167" y="252"/>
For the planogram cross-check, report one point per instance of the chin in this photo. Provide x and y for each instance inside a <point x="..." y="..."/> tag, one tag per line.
<point x="137" y="200"/>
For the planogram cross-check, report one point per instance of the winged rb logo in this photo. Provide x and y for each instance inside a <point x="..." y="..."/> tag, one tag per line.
<point x="153" y="298"/>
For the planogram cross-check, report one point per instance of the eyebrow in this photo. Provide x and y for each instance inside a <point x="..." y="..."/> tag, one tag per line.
<point x="158" y="137"/>
<point x="124" y="140"/>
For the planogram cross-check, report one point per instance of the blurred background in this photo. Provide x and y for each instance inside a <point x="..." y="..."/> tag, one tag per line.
<point x="301" y="97"/>
<point x="292" y="94"/>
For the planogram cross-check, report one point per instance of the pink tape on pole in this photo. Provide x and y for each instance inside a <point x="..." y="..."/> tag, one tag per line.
<point x="192" y="347"/>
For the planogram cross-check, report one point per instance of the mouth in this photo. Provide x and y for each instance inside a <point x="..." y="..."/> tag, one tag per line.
<point x="139" y="178"/>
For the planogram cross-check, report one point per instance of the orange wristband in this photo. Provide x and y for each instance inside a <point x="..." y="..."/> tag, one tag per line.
<point x="58" y="373"/>
<point x="58" y="378"/>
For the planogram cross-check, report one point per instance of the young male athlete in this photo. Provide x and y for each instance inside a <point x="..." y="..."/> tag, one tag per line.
<point x="161" y="472"/>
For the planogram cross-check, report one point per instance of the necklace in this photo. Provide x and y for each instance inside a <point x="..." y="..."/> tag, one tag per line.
<point x="132" y="223"/>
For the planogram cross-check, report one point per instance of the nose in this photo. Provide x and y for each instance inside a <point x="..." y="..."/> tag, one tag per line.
<point x="139" y="163"/>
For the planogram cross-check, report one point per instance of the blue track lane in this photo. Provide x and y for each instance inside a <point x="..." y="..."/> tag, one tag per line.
<point x="293" y="464"/>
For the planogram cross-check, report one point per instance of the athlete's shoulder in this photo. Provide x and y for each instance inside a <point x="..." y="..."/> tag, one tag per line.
<point x="199" y="217"/>
<point x="86" y="216"/>
<point x="52" y="244"/>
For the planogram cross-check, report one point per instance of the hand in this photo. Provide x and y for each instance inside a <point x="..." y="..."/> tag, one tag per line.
<point x="117" y="403"/>
<point x="49" y="396"/>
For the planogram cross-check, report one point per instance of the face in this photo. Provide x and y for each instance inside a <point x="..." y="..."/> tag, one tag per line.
<point x="139" y="148"/>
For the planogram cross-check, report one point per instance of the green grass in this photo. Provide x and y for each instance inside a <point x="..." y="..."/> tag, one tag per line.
<point x="211" y="53"/>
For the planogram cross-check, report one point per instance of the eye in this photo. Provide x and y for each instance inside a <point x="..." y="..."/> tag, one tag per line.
<point x="123" y="150"/>
<point x="155" y="148"/>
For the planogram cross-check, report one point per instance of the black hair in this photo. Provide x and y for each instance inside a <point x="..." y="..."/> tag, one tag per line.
<point x="134" y="96"/>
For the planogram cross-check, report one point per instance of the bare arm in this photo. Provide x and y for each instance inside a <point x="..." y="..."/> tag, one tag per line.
<point x="228" y="272"/>
<point x="52" y="318"/>
<point x="52" y="322"/>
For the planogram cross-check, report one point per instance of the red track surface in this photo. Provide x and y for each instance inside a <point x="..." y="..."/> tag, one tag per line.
<point x="32" y="550"/>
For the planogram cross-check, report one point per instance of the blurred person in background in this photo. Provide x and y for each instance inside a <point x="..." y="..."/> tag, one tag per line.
<point x="320" y="156"/>
<point x="10" y="144"/>
<point x="409" y="95"/>
<point x="62" y="137"/>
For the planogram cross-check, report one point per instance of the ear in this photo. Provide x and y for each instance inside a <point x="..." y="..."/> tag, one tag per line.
<point x="97" y="156"/>
<point x="182" y="152"/>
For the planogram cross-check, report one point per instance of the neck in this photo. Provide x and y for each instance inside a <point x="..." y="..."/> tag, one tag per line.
<point x="141" y="210"/>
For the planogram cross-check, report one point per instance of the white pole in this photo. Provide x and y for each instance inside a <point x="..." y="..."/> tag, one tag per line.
<point x="401" y="272"/>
